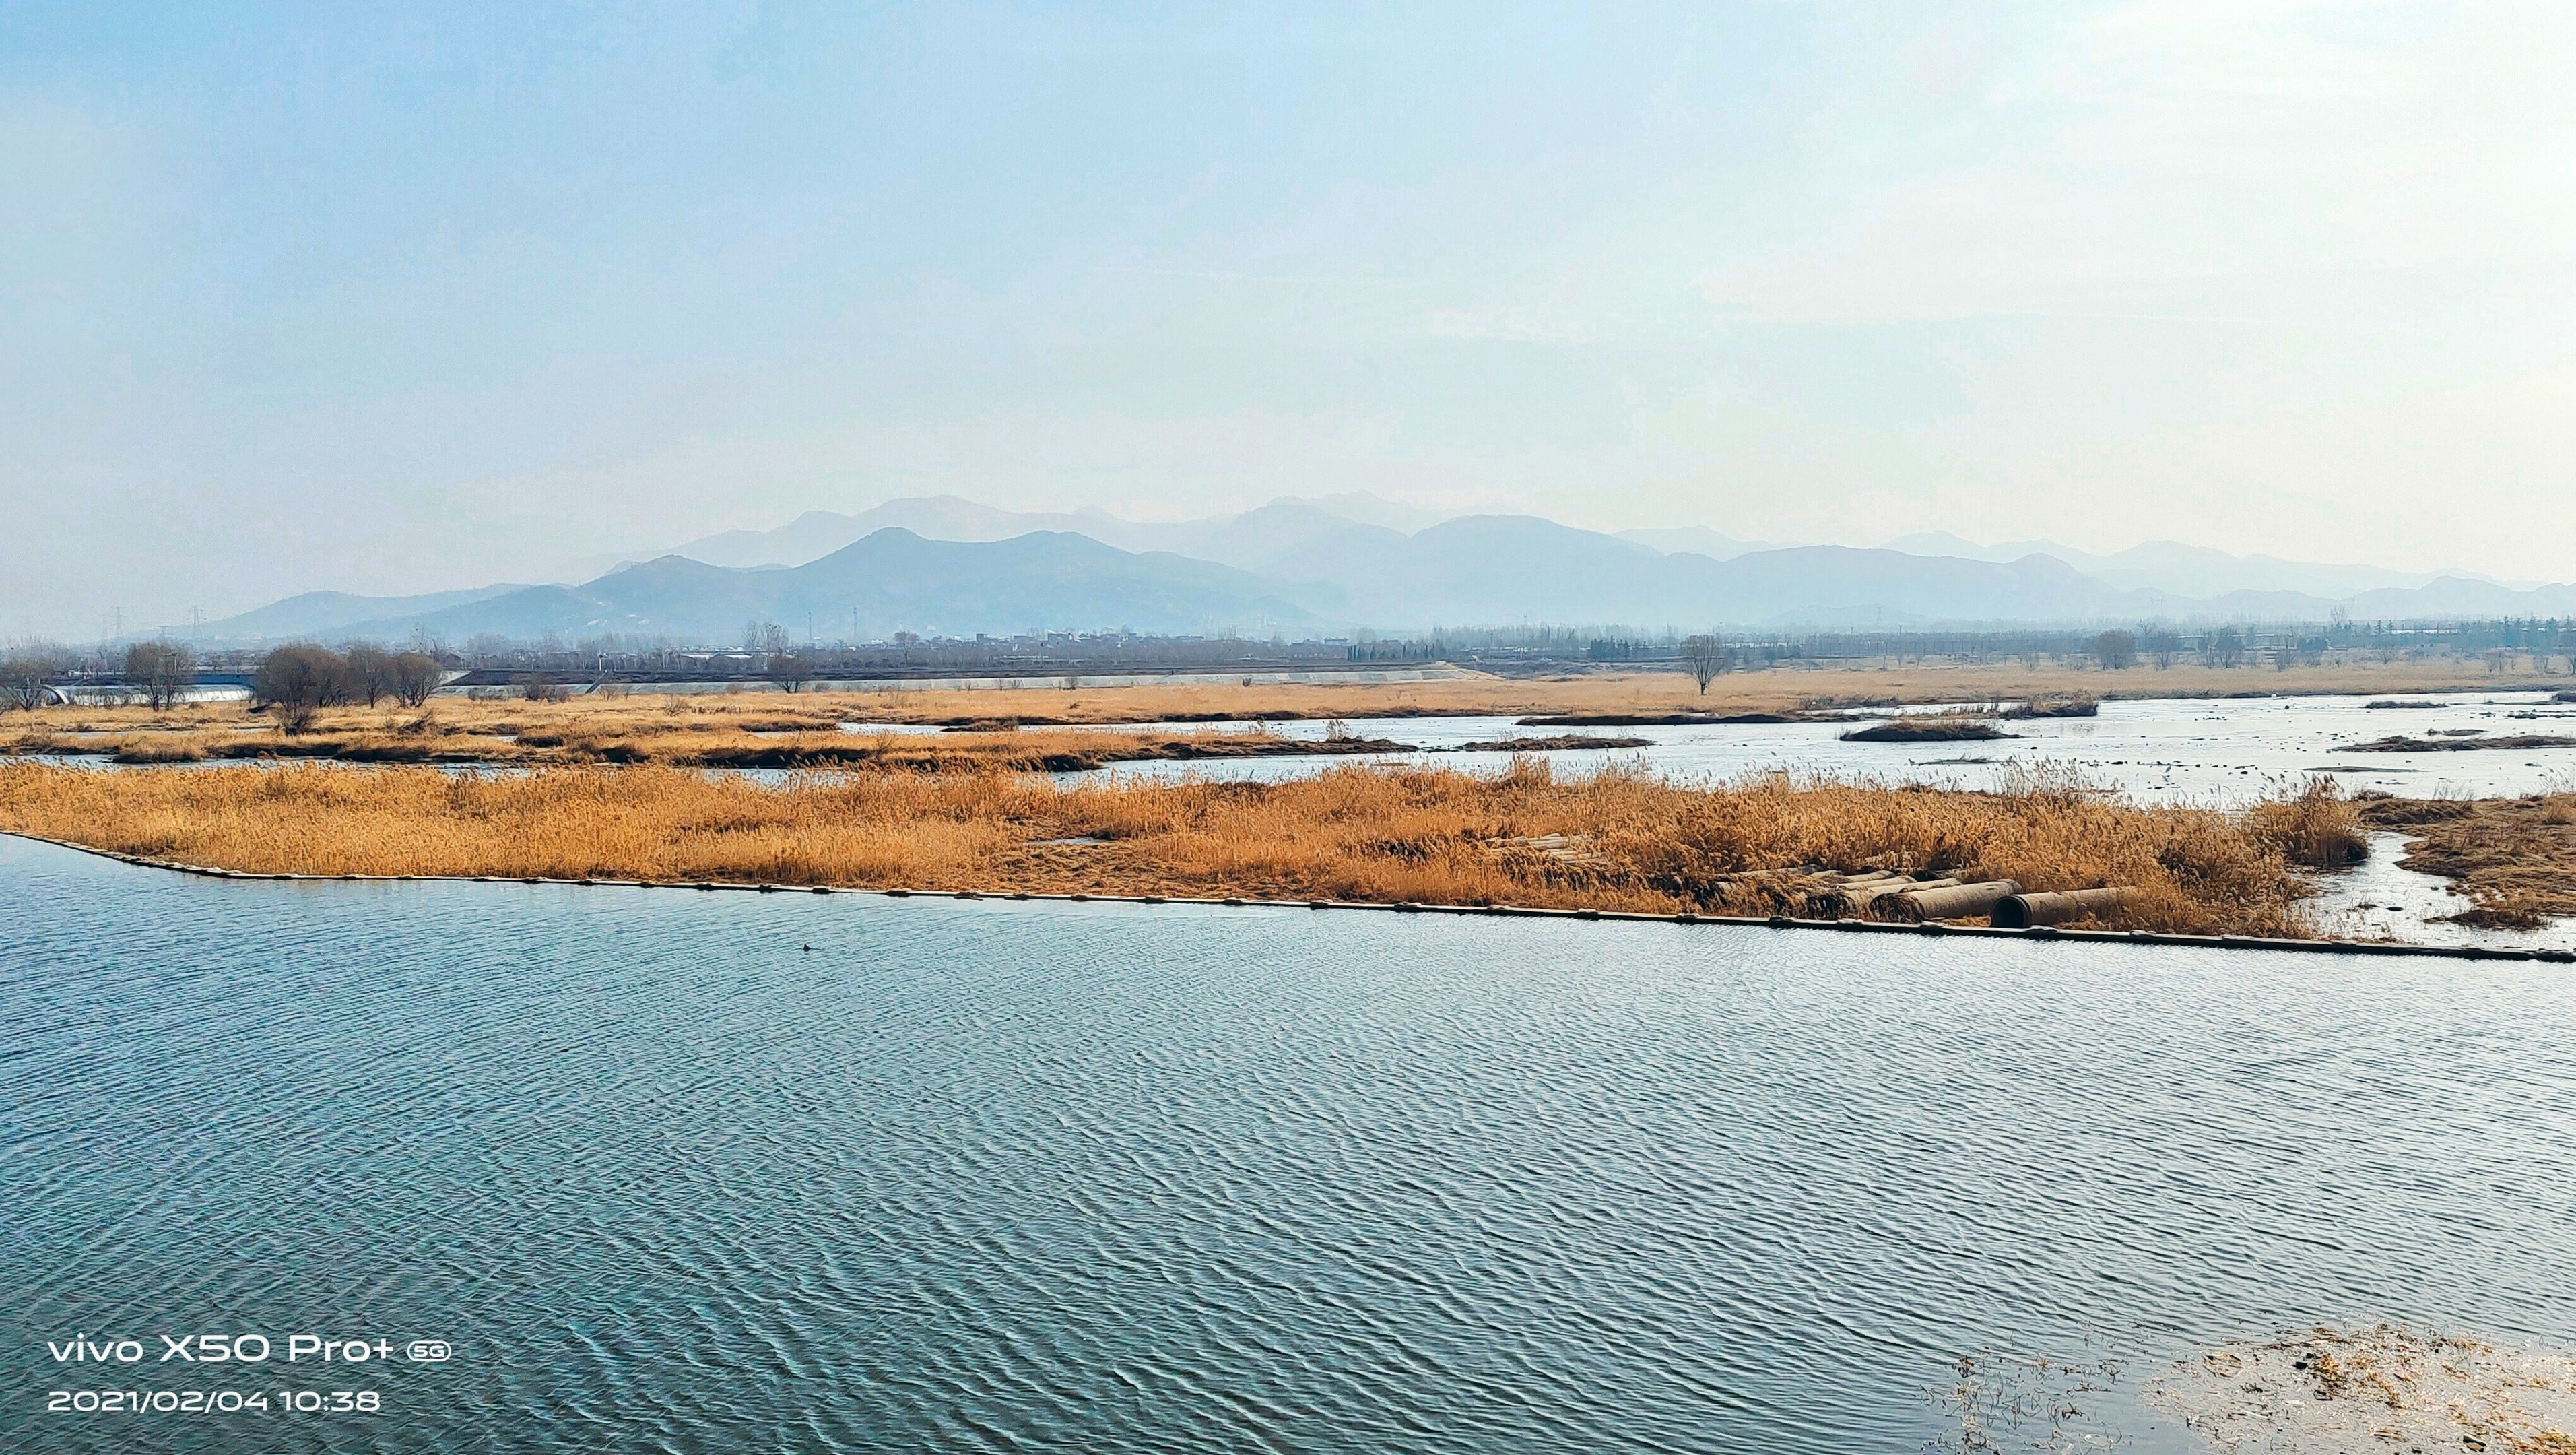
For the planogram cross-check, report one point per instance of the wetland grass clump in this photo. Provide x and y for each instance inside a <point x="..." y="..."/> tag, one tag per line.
<point x="2514" y="857"/>
<point x="1939" y="727"/>
<point x="472" y="733"/>
<point x="1605" y="698"/>
<point x="174" y="749"/>
<point x="1621" y="839"/>
<point x="2066" y="704"/>
<point x="2316" y="827"/>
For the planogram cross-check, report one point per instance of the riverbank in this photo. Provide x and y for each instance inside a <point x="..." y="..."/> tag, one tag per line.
<point x="1607" y="698"/>
<point x="527" y="740"/>
<point x="2327" y="1392"/>
<point x="1618" y="840"/>
<point x="953" y="731"/>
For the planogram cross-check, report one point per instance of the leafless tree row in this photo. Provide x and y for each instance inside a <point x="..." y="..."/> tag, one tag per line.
<point x="298" y="681"/>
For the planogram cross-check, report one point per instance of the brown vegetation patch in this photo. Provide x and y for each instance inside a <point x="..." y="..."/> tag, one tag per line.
<point x="2515" y="858"/>
<point x="1931" y="728"/>
<point x="1618" y="840"/>
<point x="2073" y="704"/>
<point x="620" y="730"/>
<point x="2466" y="740"/>
<point x="175" y="750"/>
<point x="2317" y="826"/>
<point x="1601" y="699"/>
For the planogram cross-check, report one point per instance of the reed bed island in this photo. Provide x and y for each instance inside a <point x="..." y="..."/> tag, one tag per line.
<point x="1617" y="840"/>
<point x="751" y="728"/>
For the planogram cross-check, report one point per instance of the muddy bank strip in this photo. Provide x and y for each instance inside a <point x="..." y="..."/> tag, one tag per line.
<point x="1490" y="911"/>
<point x="1930" y="730"/>
<point x="1560" y="743"/>
<point x="754" y="748"/>
<point x="2467" y="741"/>
<point x="2328" y="1392"/>
<point x="1668" y="719"/>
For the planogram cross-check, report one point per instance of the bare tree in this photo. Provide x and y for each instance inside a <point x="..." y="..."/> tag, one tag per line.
<point x="1706" y="655"/>
<point x="370" y="673"/>
<point x="2226" y="647"/>
<point x="793" y="672"/>
<point x="296" y="682"/>
<point x="24" y="670"/>
<point x="2117" y="650"/>
<point x="416" y="676"/>
<point x="2158" y="642"/>
<point x="162" y="670"/>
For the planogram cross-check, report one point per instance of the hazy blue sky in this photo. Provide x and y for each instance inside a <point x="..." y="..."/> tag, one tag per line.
<point x="297" y="298"/>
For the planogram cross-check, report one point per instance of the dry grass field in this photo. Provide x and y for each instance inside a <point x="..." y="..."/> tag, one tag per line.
<point x="1619" y="840"/>
<point x="771" y="728"/>
<point x="620" y="730"/>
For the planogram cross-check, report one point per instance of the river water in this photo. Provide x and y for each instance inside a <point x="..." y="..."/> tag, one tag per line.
<point x="2227" y="751"/>
<point x="728" y="1172"/>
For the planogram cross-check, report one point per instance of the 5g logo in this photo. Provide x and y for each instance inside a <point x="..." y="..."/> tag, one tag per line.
<point x="428" y="1351"/>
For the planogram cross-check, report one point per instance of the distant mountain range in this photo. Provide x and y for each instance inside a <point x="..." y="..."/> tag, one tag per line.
<point x="322" y="613"/>
<point x="2171" y="568"/>
<point x="946" y="566"/>
<point x="893" y="580"/>
<point x="1245" y="541"/>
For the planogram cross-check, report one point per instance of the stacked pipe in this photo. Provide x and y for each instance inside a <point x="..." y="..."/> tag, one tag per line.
<point x="1887" y="896"/>
<point x="2019" y="911"/>
<point x="1953" y="900"/>
<point x="1852" y="894"/>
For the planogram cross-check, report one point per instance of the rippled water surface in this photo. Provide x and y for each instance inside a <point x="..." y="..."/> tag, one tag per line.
<point x="787" y="1172"/>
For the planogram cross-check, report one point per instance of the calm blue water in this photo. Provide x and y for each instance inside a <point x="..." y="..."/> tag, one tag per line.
<point x="970" y="1176"/>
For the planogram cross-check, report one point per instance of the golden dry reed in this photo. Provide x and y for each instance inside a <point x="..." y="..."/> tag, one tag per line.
<point x="1620" y="840"/>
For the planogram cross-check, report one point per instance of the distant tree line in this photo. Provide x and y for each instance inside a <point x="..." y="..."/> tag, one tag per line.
<point x="297" y="681"/>
<point x="34" y="672"/>
<point x="765" y="651"/>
